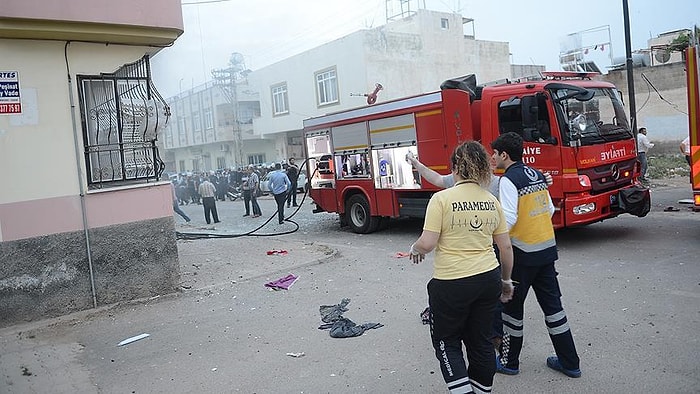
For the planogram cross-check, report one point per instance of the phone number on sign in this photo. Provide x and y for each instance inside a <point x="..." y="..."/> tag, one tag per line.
<point x="10" y="108"/>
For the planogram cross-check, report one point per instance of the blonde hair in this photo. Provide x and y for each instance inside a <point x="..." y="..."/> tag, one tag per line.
<point x="471" y="162"/>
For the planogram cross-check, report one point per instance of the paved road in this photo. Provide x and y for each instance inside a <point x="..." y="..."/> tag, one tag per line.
<point x="631" y="290"/>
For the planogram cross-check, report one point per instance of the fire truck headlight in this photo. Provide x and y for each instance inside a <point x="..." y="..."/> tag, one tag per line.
<point x="584" y="180"/>
<point x="584" y="209"/>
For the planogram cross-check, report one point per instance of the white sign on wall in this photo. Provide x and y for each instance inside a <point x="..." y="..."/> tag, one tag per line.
<point x="10" y="102"/>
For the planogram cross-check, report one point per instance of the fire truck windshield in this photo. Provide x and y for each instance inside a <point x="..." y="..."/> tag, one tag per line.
<point x="600" y="118"/>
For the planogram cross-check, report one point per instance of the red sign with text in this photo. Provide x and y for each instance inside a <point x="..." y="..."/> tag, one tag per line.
<point x="10" y="101"/>
<point x="10" y="108"/>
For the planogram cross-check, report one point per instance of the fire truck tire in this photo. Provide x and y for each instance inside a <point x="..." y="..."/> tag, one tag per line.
<point x="358" y="215"/>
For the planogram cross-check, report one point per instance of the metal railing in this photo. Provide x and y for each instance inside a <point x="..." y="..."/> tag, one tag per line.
<point x="122" y="114"/>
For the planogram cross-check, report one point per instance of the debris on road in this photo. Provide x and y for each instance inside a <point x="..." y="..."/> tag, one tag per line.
<point x="280" y="252"/>
<point x="342" y="327"/>
<point x="296" y="355"/>
<point x="283" y="283"/>
<point x="133" y="339"/>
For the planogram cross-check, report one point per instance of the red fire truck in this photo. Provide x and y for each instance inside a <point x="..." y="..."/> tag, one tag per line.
<point x="693" y="75"/>
<point x="574" y="127"/>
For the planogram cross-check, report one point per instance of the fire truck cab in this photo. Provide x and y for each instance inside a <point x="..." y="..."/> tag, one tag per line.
<point x="575" y="128"/>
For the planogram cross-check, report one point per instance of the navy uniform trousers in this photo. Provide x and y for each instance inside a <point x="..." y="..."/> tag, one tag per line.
<point x="462" y="313"/>
<point x="543" y="280"/>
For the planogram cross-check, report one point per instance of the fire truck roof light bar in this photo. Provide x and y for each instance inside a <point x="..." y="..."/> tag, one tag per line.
<point x="568" y="74"/>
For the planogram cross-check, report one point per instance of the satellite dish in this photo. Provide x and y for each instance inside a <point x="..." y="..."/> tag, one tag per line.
<point x="237" y="58"/>
<point x="662" y="55"/>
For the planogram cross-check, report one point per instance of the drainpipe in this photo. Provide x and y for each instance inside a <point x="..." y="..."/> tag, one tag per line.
<point x="81" y="175"/>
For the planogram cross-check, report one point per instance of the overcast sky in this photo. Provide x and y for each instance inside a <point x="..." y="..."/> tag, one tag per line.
<point x="267" y="31"/>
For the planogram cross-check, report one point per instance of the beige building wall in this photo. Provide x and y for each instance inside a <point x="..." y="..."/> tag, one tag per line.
<point x="63" y="247"/>
<point x="47" y="167"/>
<point x="658" y="48"/>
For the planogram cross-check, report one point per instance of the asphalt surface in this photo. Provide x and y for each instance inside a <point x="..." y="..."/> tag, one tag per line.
<point x="631" y="291"/>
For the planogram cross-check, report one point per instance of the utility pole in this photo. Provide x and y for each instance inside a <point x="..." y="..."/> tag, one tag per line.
<point x="629" y="66"/>
<point x="227" y="79"/>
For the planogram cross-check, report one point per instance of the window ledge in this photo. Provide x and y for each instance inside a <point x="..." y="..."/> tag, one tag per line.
<point x="128" y="187"/>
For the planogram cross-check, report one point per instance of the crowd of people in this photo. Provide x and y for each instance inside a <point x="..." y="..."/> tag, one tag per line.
<point x="205" y="188"/>
<point x="187" y="186"/>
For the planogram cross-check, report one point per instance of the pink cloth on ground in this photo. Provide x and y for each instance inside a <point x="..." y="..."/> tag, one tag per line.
<point x="283" y="283"/>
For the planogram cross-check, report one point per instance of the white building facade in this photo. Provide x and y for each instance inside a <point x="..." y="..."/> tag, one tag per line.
<point x="407" y="57"/>
<point x="209" y="128"/>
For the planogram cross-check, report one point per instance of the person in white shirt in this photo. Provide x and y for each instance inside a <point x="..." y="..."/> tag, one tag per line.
<point x="643" y="146"/>
<point x="208" y="192"/>
<point x="685" y="150"/>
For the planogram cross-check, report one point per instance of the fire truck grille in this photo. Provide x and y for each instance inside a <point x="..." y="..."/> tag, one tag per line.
<point x="610" y="176"/>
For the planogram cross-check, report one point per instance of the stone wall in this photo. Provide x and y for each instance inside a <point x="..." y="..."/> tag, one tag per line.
<point x="41" y="277"/>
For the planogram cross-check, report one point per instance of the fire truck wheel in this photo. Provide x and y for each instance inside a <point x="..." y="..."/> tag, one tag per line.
<point x="358" y="215"/>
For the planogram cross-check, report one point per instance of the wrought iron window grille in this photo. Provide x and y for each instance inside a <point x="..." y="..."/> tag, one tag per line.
<point x="122" y="114"/>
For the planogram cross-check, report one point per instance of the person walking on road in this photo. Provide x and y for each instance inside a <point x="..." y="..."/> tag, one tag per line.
<point x="207" y="191"/>
<point x="245" y="186"/>
<point x="528" y="210"/>
<point x="293" y="175"/>
<point x="446" y="181"/>
<point x="280" y="187"/>
<point x="643" y="146"/>
<point x="461" y="224"/>
<point x="176" y="205"/>
<point x="254" y="186"/>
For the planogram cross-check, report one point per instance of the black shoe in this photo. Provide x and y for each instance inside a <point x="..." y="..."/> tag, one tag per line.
<point x="500" y="368"/>
<point x="247" y="214"/>
<point x="295" y="205"/>
<point x="287" y="205"/>
<point x="217" y="221"/>
<point x="553" y="362"/>
<point x="281" y="222"/>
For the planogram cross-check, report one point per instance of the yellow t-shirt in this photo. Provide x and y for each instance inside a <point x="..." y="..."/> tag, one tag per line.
<point x="466" y="216"/>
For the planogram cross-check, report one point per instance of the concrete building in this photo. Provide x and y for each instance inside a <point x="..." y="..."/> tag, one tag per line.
<point x="212" y="128"/>
<point x="84" y="220"/>
<point x="410" y="55"/>
<point x="659" y="47"/>
<point x="661" y="100"/>
<point x="660" y="86"/>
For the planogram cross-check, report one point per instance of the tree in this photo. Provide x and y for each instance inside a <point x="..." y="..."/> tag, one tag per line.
<point x="680" y="43"/>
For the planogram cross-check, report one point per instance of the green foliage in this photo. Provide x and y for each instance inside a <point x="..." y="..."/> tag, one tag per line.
<point x="667" y="166"/>
<point x="682" y="41"/>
